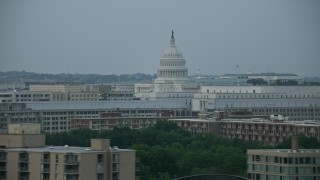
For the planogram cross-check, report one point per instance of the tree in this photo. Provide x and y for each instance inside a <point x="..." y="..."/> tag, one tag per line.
<point x="166" y="151"/>
<point x="286" y="83"/>
<point x="311" y="83"/>
<point x="257" y="82"/>
<point x="304" y="143"/>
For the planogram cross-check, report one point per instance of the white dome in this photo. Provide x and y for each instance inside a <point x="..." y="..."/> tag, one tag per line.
<point x="172" y="51"/>
<point x="172" y="65"/>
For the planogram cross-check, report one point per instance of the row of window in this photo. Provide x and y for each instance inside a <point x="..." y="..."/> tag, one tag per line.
<point x="256" y="96"/>
<point x="259" y="176"/>
<point x="284" y="170"/>
<point x="33" y="95"/>
<point x="285" y="160"/>
<point x="56" y="123"/>
<point x="55" y="128"/>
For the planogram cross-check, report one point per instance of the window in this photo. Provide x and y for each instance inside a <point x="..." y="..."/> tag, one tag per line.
<point x="100" y="176"/>
<point x="100" y="158"/>
<point x="257" y="158"/>
<point x="115" y="158"/>
<point x="308" y="161"/>
<point x="301" y="160"/>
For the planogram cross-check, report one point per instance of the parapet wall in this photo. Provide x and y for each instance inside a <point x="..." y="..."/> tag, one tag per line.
<point x="24" y="129"/>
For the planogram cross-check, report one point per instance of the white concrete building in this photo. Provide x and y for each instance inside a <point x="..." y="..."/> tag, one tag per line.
<point x="65" y="88"/>
<point x="121" y="92"/>
<point x="298" y="102"/>
<point x="271" y="78"/>
<point x="24" y="96"/>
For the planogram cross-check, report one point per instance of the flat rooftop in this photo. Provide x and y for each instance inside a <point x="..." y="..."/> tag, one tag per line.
<point x="284" y="151"/>
<point x="193" y="120"/>
<point x="62" y="149"/>
<point x="310" y="123"/>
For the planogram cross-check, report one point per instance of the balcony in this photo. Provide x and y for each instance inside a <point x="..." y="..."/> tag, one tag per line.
<point x="115" y="160"/>
<point x="73" y="178"/>
<point x="71" y="171"/>
<point x="115" y="168"/>
<point x="3" y="177"/>
<point x="24" y="159"/>
<point x="24" y="178"/>
<point x="72" y="162"/>
<point x="3" y="168"/>
<point x="45" y="161"/>
<point x="3" y="159"/>
<point x="101" y="168"/>
<point x="46" y="170"/>
<point x="24" y="169"/>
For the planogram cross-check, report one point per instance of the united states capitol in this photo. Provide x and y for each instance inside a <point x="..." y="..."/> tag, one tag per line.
<point x="171" y="96"/>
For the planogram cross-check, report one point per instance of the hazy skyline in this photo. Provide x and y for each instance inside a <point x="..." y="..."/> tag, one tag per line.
<point x="124" y="37"/>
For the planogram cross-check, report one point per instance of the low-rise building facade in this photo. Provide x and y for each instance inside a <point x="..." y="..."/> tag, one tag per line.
<point x="198" y="126"/>
<point x="266" y="131"/>
<point x="284" y="164"/>
<point x="32" y="160"/>
<point x="56" y="116"/>
<point x="297" y="102"/>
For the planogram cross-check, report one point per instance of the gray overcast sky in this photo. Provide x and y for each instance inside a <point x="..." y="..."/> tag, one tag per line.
<point x="117" y="37"/>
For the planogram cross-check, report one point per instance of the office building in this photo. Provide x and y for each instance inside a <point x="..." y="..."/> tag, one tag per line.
<point x="56" y="116"/>
<point x="297" y="102"/>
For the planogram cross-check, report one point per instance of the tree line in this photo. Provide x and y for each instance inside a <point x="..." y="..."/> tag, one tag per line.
<point x="166" y="151"/>
<point x="74" y="78"/>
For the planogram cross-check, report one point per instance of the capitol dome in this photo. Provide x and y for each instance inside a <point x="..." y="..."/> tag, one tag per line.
<point x="172" y="65"/>
<point x="172" y="51"/>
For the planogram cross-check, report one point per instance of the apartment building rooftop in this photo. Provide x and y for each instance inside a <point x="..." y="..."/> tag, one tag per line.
<point x="291" y="163"/>
<point x="23" y="152"/>
<point x="64" y="149"/>
<point x="284" y="151"/>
